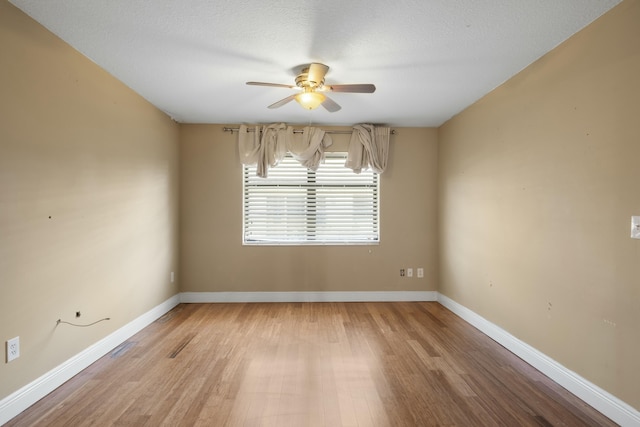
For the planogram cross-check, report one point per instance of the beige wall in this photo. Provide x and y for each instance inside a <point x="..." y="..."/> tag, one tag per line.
<point x="212" y="257"/>
<point x="538" y="182"/>
<point x="88" y="200"/>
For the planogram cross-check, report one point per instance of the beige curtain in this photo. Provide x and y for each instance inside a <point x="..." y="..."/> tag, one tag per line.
<point x="368" y="148"/>
<point x="309" y="150"/>
<point x="266" y="147"/>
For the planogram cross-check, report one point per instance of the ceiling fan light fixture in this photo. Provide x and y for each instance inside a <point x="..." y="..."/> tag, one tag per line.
<point x="310" y="100"/>
<point x="310" y="82"/>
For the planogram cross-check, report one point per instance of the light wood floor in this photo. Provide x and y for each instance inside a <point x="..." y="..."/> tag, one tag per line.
<point x="310" y="364"/>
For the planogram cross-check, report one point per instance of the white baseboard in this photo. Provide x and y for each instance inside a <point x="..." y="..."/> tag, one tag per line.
<point x="20" y="400"/>
<point x="603" y="401"/>
<point x="209" y="297"/>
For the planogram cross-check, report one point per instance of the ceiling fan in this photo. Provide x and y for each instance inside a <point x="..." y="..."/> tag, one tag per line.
<point x="310" y="83"/>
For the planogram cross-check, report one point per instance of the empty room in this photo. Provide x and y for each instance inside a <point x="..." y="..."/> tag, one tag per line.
<point x="417" y="213"/>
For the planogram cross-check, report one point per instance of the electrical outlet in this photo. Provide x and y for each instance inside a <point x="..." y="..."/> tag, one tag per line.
<point x="13" y="349"/>
<point x="402" y="272"/>
<point x="420" y="273"/>
<point x="409" y="272"/>
<point x="635" y="227"/>
<point x="172" y="277"/>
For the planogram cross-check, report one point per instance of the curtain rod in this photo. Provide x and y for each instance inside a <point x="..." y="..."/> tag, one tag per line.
<point x="250" y="129"/>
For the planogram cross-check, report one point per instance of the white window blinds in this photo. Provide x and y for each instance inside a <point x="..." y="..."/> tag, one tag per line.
<point x="294" y="205"/>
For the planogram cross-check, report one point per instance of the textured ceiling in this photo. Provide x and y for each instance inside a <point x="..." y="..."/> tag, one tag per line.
<point x="429" y="59"/>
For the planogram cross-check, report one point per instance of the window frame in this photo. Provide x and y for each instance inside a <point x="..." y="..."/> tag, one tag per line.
<point x="248" y="172"/>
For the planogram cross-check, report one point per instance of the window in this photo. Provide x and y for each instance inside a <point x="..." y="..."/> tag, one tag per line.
<point x="294" y="205"/>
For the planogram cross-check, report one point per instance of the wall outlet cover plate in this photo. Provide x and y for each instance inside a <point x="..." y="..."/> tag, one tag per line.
<point x="635" y="227"/>
<point x="13" y="349"/>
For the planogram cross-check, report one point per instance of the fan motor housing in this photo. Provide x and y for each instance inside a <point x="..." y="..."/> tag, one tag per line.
<point x="302" y="80"/>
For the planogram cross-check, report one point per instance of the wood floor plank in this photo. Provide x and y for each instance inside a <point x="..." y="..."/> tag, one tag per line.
<point x="310" y="364"/>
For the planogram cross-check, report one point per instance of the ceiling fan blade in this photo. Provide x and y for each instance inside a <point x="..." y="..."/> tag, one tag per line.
<point x="270" y="84"/>
<point x="317" y="72"/>
<point x="358" y="88"/>
<point x="330" y="105"/>
<point x="282" y="102"/>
